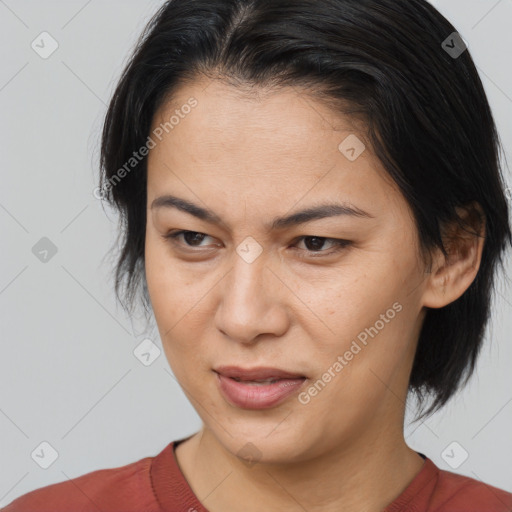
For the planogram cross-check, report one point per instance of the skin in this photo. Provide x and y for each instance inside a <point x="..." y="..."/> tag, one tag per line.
<point x="250" y="159"/>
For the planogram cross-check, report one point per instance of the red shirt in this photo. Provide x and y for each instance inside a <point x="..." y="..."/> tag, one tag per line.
<point x="156" y="484"/>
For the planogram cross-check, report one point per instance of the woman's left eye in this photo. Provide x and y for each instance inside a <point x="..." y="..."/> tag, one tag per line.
<point x="314" y="245"/>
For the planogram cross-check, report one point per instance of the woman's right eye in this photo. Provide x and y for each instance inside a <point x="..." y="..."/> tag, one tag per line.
<point x="191" y="238"/>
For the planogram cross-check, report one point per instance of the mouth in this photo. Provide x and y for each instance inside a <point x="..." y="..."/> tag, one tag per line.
<point x="256" y="382"/>
<point x="257" y="388"/>
<point x="259" y="374"/>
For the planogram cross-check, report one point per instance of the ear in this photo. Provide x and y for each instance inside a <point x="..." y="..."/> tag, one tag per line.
<point x="451" y="275"/>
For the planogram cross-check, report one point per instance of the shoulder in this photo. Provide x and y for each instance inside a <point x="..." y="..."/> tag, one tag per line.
<point x="121" y="488"/>
<point x="458" y="493"/>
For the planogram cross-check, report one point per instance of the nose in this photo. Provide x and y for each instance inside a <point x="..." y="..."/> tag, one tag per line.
<point x="252" y="303"/>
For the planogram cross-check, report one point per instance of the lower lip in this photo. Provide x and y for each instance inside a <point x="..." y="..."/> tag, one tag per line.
<point x="258" y="396"/>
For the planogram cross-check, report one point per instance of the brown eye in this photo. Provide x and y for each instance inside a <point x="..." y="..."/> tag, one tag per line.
<point x="190" y="238"/>
<point x="315" y="244"/>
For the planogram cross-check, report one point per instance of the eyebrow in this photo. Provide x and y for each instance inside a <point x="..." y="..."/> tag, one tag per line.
<point x="301" y="217"/>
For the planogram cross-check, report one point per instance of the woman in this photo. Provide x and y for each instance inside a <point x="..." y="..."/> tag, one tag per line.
<point x="313" y="207"/>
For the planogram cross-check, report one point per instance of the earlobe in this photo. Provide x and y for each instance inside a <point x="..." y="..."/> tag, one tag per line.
<point x="452" y="274"/>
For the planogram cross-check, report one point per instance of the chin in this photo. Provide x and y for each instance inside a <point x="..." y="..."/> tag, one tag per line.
<point x="261" y="442"/>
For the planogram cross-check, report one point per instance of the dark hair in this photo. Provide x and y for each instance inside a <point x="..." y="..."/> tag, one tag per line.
<point x="384" y="61"/>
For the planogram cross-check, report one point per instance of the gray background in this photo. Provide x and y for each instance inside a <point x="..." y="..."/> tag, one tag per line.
<point x="68" y="373"/>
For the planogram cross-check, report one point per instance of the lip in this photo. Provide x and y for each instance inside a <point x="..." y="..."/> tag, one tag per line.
<point x="258" y="373"/>
<point x="257" y="396"/>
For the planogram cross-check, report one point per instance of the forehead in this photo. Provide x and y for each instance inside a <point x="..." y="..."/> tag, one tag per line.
<point x="228" y="115"/>
<point x="248" y="141"/>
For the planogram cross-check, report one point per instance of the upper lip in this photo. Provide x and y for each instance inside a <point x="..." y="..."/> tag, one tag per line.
<point x="259" y="373"/>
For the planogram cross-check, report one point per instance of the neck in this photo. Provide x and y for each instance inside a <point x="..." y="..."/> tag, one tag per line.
<point x="365" y="475"/>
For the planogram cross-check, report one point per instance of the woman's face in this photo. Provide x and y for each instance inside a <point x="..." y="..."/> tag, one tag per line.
<point x="244" y="290"/>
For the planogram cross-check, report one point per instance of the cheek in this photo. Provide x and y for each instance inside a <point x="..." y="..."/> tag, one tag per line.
<point x="366" y="304"/>
<point x="167" y="287"/>
<point x="180" y="304"/>
<point x="339" y="301"/>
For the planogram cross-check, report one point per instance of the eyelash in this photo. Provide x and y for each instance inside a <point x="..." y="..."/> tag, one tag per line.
<point x="339" y="243"/>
